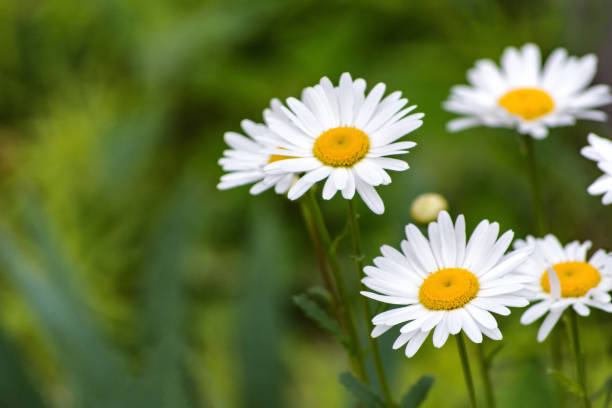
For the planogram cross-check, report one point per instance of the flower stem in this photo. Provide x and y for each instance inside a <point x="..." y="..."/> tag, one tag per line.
<point x="321" y="254"/>
<point x="578" y="358"/>
<point x="356" y="356"/>
<point x="485" y="373"/>
<point x="534" y="183"/>
<point x="466" y="369"/>
<point x="528" y="149"/>
<point x="358" y="254"/>
<point x="557" y="360"/>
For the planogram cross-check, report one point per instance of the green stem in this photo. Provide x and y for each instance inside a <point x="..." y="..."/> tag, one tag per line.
<point x="485" y="373"/>
<point x="321" y="254"/>
<point x="465" y="364"/>
<point x="557" y="360"/>
<point x="540" y="229"/>
<point x="534" y="183"/>
<point x="358" y="254"/>
<point x="357" y="357"/>
<point x="578" y="358"/>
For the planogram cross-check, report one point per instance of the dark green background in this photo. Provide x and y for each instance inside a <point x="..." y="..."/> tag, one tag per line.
<point x="128" y="280"/>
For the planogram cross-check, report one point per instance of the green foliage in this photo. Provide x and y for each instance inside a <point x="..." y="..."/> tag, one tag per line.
<point x="605" y="390"/>
<point x="567" y="382"/>
<point x="313" y="311"/>
<point x="417" y="393"/>
<point x="363" y="393"/>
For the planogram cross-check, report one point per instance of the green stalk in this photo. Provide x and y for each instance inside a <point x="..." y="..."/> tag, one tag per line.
<point x="357" y="357"/>
<point x="540" y="230"/>
<point x="358" y="255"/>
<point x="578" y="358"/>
<point x="534" y="183"/>
<point x="485" y="373"/>
<point x="465" y="364"/>
<point x="321" y="254"/>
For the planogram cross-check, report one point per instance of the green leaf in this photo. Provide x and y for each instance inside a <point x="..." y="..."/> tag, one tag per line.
<point x="317" y="314"/>
<point x="567" y="383"/>
<point x="364" y="394"/>
<point x="16" y="387"/>
<point x="101" y="377"/>
<point x="417" y="394"/>
<point x="165" y="302"/>
<point x="605" y="389"/>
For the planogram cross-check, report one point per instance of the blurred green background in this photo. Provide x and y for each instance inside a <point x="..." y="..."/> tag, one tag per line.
<point x="128" y="280"/>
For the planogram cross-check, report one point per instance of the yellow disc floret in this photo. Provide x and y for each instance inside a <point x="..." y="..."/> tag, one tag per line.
<point x="448" y="289"/>
<point x="528" y="103"/>
<point x="576" y="278"/>
<point x="276" y="157"/>
<point x="341" y="147"/>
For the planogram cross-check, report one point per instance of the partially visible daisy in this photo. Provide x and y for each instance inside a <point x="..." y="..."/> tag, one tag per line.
<point x="561" y="277"/>
<point x="524" y="95"/>
<point x="341" y="134"/>
<point x="247" y="157"/>
<point x="445" y="285"/>
<point x="600" y="150"/>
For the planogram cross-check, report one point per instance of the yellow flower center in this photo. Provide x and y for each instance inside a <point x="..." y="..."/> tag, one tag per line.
<point x="341" y="147"/>
<point x="576" y="278"/>
<point x="448" y="289"/>
<point x="528" y="103"/>
<point x="276" y="157"/>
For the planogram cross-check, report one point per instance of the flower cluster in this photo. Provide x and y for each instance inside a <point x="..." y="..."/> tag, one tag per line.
<point x="446" y="283"/>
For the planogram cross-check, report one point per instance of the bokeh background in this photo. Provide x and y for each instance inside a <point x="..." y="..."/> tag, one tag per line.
<point x="128" y="280"/>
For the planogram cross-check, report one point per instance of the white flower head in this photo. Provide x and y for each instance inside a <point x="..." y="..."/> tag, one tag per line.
<point x="342" y="134"/>
<point x="560" y="277"/>
<point x="600" y="150"/>
<point x="247" y="158"/>
<point x="446" y="285"/>
<point x="524" y="95"/>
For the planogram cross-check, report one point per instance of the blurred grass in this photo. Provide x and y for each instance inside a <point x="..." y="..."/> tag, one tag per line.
<point x="128" y="280"/>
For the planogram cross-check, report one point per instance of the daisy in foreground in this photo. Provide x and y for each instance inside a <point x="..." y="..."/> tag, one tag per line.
<point x="247" y="157"/>
<point x="600" y="150"/>
<point x="341" y="134"/>
<point x="445" y="285"/>
<point x="523" y="95"/>
<point x="561" y="277"/>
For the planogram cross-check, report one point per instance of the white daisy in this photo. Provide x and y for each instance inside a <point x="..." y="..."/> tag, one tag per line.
<point x="600" y="150"/>
<point x="342" y="134"/>
<point x="526" y="96"/>
<point x="248" y="157"/>
<point x="561" y="277"/>
<point x="445" y="285"/>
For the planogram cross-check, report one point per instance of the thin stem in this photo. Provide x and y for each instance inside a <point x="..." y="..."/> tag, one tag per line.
<point x="534" y="183"/>
<point x="557" y="360"/>
<point x="465" y="364"/>
<point x="367" y="314"/>
<point x="528" y="149"/>
<point x="357" y="357"/>
<point x="321" y="254"/>
<point x="485" y="373"/>
<point x="578" y="358"/>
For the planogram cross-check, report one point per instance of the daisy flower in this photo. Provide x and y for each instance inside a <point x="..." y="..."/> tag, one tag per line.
<point x="445" y="285"/>
<point x="523" y="95"/>
<point x="561" y="277"/>
<point x="247" y="157"/>
<point x="341" y="134"/>
<point x="600" y="150"/>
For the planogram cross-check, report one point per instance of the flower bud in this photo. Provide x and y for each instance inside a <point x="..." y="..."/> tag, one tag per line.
<point x="425" y="208"/>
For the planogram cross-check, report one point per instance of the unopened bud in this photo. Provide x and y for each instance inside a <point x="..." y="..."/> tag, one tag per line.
<point x="425" y="208"/>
